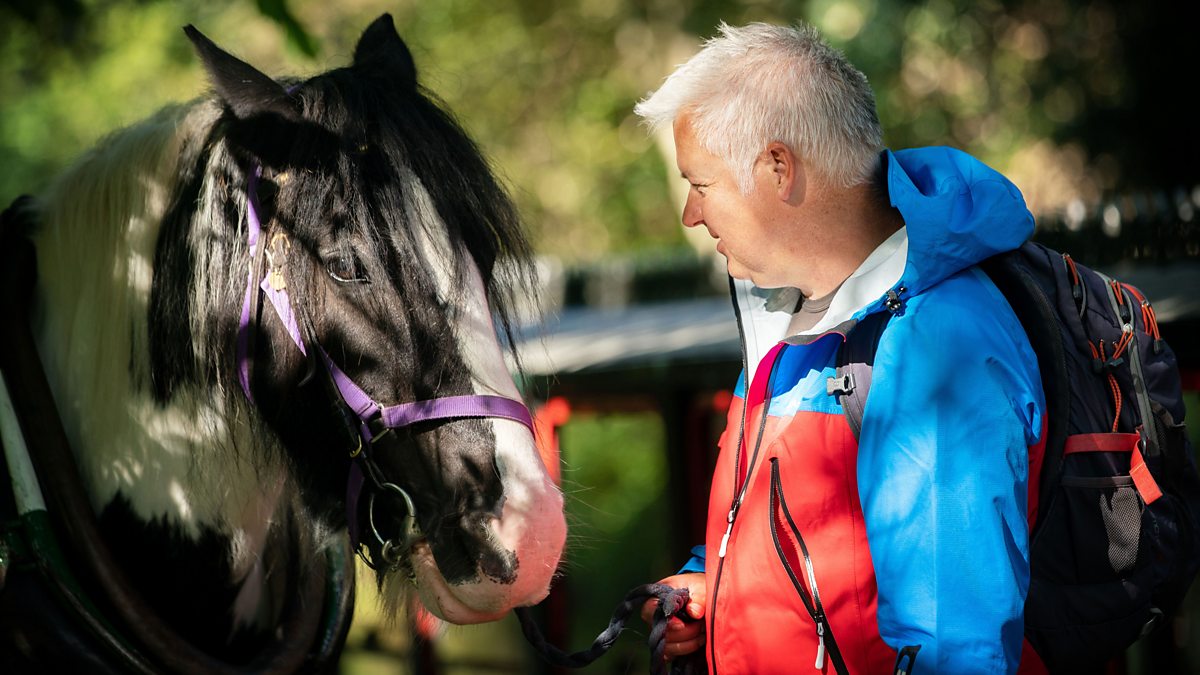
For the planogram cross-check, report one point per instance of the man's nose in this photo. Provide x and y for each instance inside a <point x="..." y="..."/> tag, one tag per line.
<point x="691" y="213"/>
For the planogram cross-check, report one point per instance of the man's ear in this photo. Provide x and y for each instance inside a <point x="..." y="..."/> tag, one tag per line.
<point x="785" y="173"/>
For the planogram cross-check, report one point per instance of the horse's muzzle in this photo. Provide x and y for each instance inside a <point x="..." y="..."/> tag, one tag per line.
<point x="514" y="562"/>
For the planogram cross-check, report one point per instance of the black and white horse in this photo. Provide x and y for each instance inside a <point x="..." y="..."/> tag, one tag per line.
<point x="236" y="295"/>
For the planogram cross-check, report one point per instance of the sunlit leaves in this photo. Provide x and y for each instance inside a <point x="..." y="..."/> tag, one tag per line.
<point x="1033" y="87"/>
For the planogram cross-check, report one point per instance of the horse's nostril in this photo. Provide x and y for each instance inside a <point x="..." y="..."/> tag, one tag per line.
<point x="470" y="553"/>
<point x="499" y="565"/>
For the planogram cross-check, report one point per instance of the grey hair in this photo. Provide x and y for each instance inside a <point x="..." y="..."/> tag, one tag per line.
<point x="760" y="83"/>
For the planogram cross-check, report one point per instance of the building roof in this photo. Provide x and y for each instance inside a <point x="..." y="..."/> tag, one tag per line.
<point x="694" y="342"/>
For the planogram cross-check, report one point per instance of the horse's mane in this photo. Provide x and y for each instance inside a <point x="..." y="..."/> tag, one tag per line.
<point x="97" y="226"/>
<point x="98" y="220"/>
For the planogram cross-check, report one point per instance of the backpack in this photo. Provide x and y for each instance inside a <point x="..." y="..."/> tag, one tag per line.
<point x="1114" y="542"/>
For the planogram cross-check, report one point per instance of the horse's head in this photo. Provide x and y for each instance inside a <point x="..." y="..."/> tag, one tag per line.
<point x="383" y="245"/>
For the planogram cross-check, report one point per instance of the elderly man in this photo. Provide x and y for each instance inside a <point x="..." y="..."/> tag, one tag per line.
<point x="902" y="546"/>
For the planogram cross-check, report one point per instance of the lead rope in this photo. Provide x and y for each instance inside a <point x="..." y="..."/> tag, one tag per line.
<point x="670" y="602"/>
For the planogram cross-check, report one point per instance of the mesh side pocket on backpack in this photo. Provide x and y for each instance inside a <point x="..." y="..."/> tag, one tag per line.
<point x="1115" y="542"/>
<point x="1093" y="530"/>
<point x="1176" y="517"/>
<point x="1092" y="559"/>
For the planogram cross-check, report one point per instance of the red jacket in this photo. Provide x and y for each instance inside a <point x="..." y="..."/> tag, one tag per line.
<point x="756" y="620"/>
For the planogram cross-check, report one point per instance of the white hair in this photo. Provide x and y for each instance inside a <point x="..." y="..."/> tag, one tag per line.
<point x="761" y="83"/>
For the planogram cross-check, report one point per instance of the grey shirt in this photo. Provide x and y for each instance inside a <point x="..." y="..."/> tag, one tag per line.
<point x="809" y="312"/>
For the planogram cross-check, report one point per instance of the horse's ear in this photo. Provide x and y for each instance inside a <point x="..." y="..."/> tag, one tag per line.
<point x="244" y="89"/>
<point x="380" y="48"/>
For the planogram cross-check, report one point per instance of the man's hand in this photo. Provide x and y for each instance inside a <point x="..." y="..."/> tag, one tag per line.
<point x="683" y="637"/>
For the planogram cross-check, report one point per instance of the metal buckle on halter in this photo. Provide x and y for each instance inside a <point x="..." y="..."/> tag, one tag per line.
<point x="377" y="427"/>
<point x="392" y="550"/>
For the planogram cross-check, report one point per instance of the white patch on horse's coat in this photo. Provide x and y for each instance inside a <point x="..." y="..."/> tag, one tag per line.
<point x="531" y="523"/>
<point x="433" y="241"/>
<point x="478" y="344"/>
<point x="473" y="327"/>
<point x="250" y="605"/>
<point x="175" y="490"/>
<point x="181" y="462"/>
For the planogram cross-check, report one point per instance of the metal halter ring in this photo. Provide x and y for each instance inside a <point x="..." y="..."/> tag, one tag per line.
<point x="409" y="532"/>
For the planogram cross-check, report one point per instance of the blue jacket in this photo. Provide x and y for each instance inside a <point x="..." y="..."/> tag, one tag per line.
<point x="955" y="404"/>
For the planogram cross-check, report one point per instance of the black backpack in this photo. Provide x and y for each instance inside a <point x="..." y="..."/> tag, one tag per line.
<point x="1114" y="544"/>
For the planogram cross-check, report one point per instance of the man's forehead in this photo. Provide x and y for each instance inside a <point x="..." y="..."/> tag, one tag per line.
<point x="685" y="138"/>
<point x="691" y="157"/>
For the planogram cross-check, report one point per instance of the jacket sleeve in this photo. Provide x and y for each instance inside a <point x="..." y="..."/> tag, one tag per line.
<point x="954" y="405"/>
<point x="696" y="562"/>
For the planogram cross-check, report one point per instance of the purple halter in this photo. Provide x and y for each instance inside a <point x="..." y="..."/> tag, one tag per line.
<point x="370" y="413"/>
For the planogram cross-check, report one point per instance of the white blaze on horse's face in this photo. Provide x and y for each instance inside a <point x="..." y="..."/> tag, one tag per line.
<point x="531" y="522"/>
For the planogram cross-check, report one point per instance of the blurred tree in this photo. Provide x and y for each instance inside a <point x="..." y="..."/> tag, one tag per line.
<point x="1074" y="98"/>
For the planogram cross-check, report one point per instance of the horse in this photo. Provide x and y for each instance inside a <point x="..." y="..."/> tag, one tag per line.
<point x="268" y="319"/>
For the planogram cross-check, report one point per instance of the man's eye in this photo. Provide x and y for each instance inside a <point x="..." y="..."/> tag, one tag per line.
<point x="347" y="269"/>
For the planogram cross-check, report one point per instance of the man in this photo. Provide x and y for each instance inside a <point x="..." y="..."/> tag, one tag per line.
<point x="905" y="548"/>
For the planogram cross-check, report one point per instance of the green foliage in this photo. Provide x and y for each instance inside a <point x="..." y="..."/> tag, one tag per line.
<point x="614" y="469"/>
<point x="614" y="478"/>
<point x="298" y="37"/>
<point x="1037" y="88"/>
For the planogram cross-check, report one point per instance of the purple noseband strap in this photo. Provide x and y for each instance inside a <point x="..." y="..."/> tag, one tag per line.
<point x="452" y="407"/>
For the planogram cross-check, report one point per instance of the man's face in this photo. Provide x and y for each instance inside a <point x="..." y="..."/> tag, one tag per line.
<point x="741" y="224"/>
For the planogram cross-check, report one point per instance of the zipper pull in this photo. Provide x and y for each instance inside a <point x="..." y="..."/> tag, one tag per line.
<point x="894" y="303"/>
<point x="820" y="664"/>
<point x="725" y="539"/>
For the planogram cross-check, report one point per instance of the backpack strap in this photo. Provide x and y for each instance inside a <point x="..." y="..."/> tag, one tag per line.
<point x="1030" y="302"/>
<point x="855" y="361"/>
<point x="1013" y="273"/>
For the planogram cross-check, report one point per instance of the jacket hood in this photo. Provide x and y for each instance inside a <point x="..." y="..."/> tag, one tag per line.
<point x="957" y="212"/>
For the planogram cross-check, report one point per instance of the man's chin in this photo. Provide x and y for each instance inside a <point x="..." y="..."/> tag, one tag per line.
<point x="732" y="267"/>
<point x="740" y="273"/>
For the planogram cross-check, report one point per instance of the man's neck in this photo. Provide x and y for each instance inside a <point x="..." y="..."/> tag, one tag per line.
<point x="855" y="221"/>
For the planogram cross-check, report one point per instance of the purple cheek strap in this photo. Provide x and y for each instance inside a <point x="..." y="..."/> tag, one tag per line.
<point x="374" y="419"/>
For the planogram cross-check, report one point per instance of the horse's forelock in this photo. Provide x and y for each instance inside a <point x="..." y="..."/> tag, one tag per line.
<point x="396" y="143"/>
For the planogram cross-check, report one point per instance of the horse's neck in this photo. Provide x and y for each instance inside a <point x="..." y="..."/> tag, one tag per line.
<point x="196" y="461"/>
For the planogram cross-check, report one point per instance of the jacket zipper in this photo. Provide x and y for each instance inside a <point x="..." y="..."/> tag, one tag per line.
<point x="811" y="597"/>
<point x="740" y="484"/>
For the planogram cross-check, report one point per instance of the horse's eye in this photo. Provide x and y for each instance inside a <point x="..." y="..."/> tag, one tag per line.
<point x="346" y="269"/>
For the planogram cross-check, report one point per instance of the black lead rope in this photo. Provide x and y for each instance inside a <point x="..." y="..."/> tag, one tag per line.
<point x="671" y="601"/>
